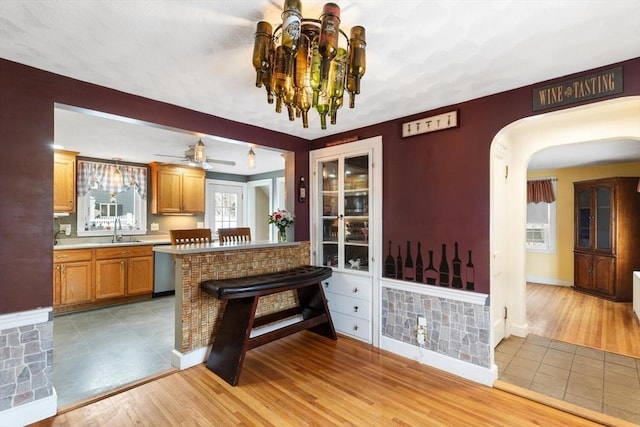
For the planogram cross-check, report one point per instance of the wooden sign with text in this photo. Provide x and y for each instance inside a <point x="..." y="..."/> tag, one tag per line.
<point x="603" y="83"/>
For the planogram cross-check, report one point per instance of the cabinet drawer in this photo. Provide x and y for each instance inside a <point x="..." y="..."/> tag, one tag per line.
<point x="347" y="305"/>
<point x="124" y="252"/>
<point x="72" y="255"/>
<point x="352" y="326"/>
<point x="348" y="285"/>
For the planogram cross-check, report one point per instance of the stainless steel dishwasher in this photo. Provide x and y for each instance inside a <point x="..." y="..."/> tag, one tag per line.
<point x="163" y="275"/>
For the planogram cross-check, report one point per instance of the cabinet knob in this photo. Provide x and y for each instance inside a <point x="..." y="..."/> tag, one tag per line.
<point x="355" y="327"/>
<point x="355" y="290"/>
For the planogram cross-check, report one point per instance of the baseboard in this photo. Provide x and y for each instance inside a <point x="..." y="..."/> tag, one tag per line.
<point x="187" y="360"/>
<point x="549" y="281"/>
<point x="163" y="293"/>
<point x="31" y="412"/>
<point x="485" y="376"/>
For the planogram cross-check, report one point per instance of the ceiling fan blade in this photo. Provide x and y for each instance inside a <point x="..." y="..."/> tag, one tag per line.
<point x="168" y="155"/>
<point x="221" y="162"/>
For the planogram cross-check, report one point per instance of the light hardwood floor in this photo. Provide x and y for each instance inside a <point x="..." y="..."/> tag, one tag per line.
<point x="309" y="380"/>
<point x="563" y="314"/>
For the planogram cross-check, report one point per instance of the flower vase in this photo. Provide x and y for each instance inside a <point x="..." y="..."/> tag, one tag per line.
<point x="282" y="235"/>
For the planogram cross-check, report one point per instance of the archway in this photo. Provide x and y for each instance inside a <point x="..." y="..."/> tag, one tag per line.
<point x="511" y="150"/>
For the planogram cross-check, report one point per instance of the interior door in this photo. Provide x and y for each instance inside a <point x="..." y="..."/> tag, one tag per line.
<point x="499" y="283"/>
<point x="224" y="205"/>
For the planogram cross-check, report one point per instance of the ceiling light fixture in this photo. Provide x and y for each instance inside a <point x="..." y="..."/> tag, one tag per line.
<point x="251" y="159"/>
<point x="308" y="68"/>
<point x="199" y="153"/>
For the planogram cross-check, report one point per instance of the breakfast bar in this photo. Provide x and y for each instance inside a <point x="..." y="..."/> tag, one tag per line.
<point x="198" y="314"/>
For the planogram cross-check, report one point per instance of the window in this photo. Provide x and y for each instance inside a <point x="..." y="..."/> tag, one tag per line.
<point x="224" y="206"/>
<point x="541" y="225"/>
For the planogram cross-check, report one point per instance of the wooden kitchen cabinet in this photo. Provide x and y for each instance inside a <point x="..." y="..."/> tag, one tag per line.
<point x="72" y="277"/>
<point x="123" y="271"/>
<point x="177" y="189"/>
<point x="64" y="181"/>
<point x="607" y="232"/>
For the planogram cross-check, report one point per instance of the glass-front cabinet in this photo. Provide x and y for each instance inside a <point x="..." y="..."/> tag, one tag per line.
<point x="344" y="184"/>
<point x="594" y="217"/>
<point x="346" y="207"/>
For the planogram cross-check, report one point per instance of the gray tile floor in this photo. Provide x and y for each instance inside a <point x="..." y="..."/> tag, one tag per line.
<point x="593" y="379"/>
<point x="100" y="350"/>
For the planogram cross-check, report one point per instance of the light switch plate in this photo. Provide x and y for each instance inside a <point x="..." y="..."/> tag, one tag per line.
<point x="200" y="225"/>
<point x="155" y="226"/>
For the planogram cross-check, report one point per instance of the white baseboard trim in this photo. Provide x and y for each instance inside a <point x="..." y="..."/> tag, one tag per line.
<point x="519" y="330"/>
<point x="457" y="367"/>
<point x="187" y="360"/>
<point x="548" y="281"/>
<point x="24" y="318"/>
<point x="31" y="412"/>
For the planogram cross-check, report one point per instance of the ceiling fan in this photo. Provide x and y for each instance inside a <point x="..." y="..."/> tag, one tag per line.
<point x="195" y="155"/>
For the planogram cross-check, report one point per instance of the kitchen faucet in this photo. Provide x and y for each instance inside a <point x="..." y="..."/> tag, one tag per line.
<point x="116" y="224"/>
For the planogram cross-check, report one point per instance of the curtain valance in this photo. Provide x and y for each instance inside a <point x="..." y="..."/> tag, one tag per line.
<point x="113" y="178"/>
<point x="540" y="191"/>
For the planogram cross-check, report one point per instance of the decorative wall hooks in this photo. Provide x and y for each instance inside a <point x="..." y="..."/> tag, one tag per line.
<point x="430" y="124"/>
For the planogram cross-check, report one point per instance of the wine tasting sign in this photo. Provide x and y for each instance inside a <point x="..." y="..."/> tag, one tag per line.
<point x="603" y="83"/>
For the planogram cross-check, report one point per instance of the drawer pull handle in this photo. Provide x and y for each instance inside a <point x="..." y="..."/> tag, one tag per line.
<point x="355" y="327"/>
<point x="355" y="290"/>
<point x="355" y="308"/>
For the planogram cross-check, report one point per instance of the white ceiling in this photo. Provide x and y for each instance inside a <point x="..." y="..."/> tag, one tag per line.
<point x="196" y="54"/>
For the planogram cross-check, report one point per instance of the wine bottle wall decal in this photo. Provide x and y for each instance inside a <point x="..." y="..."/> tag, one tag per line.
<point x="389" y="264"/>
<point x="399" y="265"/>
<point x="419" y="265"/>
<point x="470" y="273"/>
<point x="431" y="274"/>
<point x="456" y="262"/>
<point x="408" y="264"/>
<point x="444" y="267"/>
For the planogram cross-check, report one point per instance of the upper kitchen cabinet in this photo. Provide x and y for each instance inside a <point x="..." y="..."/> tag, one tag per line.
<point x="177" y="189"/>
<point x="64" y="181"/>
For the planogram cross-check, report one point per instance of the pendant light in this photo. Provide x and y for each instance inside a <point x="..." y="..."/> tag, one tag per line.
<point x="251" y="159"/>
<point x="199" y="153"/>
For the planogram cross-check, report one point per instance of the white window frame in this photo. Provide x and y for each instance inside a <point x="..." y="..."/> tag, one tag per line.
<point x="549" y="229"/>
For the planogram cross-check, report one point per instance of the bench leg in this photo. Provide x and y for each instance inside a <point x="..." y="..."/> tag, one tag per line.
<point x="230" y="345"/>
<point x="313" y="302"/>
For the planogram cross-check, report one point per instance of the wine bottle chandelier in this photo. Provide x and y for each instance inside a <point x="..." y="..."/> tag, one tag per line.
<point x="302" y="66"/>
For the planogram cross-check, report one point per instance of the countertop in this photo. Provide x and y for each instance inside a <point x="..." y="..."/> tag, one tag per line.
<point x="104" y="242"/>
<point x="217" y="246"/>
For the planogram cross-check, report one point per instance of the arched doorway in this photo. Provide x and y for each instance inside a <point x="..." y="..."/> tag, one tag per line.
<point x="511" y="150"/>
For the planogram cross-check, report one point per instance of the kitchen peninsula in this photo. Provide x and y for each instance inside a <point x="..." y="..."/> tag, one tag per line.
<point x="198" y="314"/>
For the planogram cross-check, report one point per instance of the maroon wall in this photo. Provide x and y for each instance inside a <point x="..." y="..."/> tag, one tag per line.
<point x="27" y="98"/>
<point x="436" y="185"/>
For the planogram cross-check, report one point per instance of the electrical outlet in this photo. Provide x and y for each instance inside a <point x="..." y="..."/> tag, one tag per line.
<point x="155" y="226"/>
<point x="66" y="229"/>
<point x="422" y="321"/>
<point x="200" y="224"/>
<point x="421" y="330"/>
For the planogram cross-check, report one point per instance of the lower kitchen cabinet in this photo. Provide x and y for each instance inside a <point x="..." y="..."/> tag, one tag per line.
<point x="349" y="300"/>
<point x="124" y="271"/>
<point x="72" y="277"/>
<point x="93" y="277"/>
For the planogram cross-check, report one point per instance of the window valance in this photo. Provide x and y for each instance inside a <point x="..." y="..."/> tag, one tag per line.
<point x="540" y="191"/>
<point x="111" y="177"/>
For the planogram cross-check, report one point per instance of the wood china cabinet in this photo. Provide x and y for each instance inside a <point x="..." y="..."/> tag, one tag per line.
<point x="607" y="236"/>
<point x="177" y="189"/>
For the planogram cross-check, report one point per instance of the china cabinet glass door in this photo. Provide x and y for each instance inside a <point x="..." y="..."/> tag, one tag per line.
<point x="345" y="191"/>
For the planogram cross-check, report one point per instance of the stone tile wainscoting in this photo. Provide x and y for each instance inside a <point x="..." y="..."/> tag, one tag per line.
<point x="458" y="328"/>
<point x="26" y="367"/>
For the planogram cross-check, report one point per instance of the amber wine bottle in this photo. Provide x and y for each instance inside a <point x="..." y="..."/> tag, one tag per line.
<point x="456" y="282"/>
<point x="357" y="62"/>
<point x="291" y="29"/>
<point x="408" y="264"/>
<point x="328" y="42"/>
<point x="444" y="267"/>
<point x="430" y="272"/>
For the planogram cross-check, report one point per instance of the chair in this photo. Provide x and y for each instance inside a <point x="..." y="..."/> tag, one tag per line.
<point x="234" y="235"/>
<point x="196" y="235"/>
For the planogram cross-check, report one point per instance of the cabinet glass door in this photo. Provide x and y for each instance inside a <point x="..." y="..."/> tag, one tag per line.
<point x="356" y="212"/>
<point x="583" y="220"/>
<point x="603" y="219"/>
<point x="345" y="201"/>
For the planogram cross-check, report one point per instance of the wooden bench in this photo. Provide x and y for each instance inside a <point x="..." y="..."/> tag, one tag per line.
<point x="234" y="338"/>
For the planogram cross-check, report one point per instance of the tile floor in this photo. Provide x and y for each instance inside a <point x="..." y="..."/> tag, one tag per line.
<point x="100" y="350"/>
<point x="594" y="379"/>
